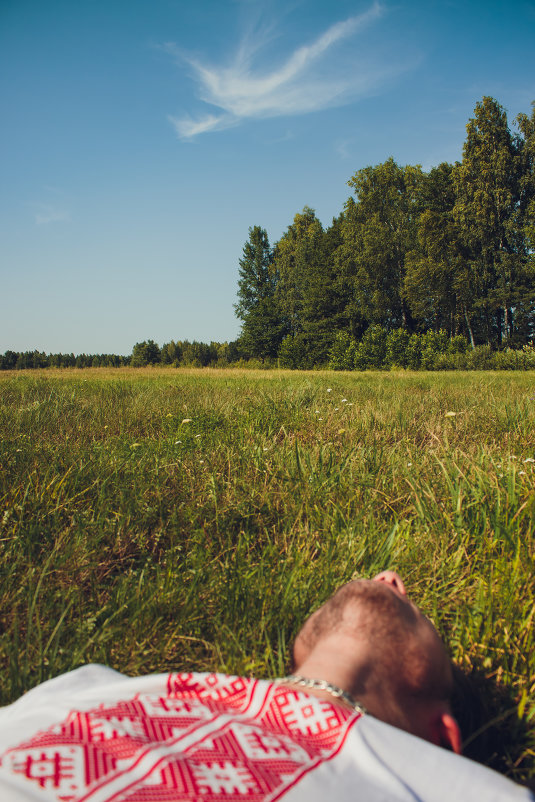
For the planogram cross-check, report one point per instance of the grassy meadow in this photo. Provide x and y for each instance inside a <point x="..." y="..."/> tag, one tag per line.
<point x="158" y="519"/>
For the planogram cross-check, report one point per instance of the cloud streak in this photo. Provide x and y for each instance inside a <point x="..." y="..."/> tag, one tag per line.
<point x="307" y="80"/>
<point x="50" y="214"/>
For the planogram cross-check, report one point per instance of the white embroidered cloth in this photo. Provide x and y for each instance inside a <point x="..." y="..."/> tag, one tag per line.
<point x="99" y="736"/>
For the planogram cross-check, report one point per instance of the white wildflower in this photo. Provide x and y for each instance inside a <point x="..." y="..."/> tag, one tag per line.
<point x="187" y="420"/>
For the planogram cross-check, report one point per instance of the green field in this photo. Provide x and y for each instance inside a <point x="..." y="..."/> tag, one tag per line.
<point x="174" y="519"/>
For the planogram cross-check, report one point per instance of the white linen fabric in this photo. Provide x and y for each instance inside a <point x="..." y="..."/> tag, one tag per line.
<point x="97" y="735"/>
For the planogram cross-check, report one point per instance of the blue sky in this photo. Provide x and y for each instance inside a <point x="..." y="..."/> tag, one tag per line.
<point x="142" y="138"/>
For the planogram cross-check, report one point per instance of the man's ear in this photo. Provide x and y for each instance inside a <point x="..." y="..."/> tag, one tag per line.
<point x="449" y="733"/>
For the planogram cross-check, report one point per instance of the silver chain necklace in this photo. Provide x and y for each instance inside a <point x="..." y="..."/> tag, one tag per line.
<point x="323" y="685"/>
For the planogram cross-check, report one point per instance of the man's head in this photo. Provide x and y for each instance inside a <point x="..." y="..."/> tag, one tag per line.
<point x="371" y="640"/>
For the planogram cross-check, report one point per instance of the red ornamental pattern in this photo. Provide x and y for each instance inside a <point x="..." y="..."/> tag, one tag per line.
<point x="206" y="737"/>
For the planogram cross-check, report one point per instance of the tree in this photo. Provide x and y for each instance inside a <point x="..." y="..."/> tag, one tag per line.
<point x="171" y="353"/>
<point x="309" y="290"/>
<point x="526" y="217"/>
<point x="372" y="349"/>
<point x="354" y="314"/>
<point x="257" y="308"/>
<point x="342" y="353"/>
<point x="379" y="230"/>
<point x="487" y="194"/>
<point x="325" y="292"/>
<point x="436" y="285"/>
<point x="145" y="353"/>
<point x="525" y="225"/>
<point x="294" y="255"/>
<point x="9" y="360"/>
<point x="197" y="354"/>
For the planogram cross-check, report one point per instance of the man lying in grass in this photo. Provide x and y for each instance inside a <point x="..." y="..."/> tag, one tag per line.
<point x="363" y="717"/>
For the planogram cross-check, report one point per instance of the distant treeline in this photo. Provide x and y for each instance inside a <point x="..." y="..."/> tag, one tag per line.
<point x="452" y="250"/>
<point x="185" y="354"/>
<point x="179" y="353"/>
<point x="24" y="360"/>
<point x="378" y="349"/>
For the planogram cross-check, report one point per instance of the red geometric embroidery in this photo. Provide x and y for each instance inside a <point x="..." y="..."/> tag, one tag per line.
<point x="218" y="688"/>
<point x="52" y="767"/>
<point x="209" y="737"/>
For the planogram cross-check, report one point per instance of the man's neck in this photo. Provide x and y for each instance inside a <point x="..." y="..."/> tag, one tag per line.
<point x="340" y="660"/>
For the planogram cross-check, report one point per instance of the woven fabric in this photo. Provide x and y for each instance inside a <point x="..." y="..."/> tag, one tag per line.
<point x="207" y="737"/>
<point x="97" y="735"/>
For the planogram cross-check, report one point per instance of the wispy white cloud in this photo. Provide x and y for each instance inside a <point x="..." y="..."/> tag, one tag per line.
<point x="45" y="213"/>
<point x="187" y="128"/>
<point x="307" y="81"/>
<point x="55" y="209"/>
